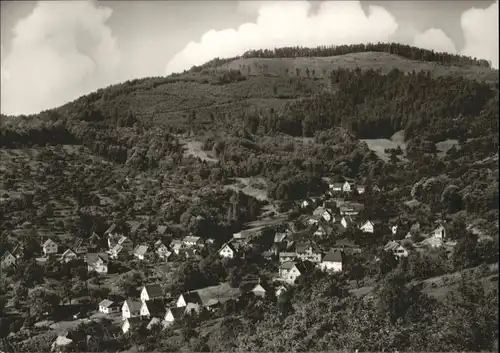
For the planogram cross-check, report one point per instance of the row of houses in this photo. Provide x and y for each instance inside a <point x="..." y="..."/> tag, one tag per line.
<point x="152" y="305"/>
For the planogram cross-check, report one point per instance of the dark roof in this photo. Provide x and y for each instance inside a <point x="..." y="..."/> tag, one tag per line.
<point x="133" y="305"/>
<point x="156" y="308"/>
<point x="92" y="257"/>
<point x="110" y="229"/>
<point x="108" y="303"/>
<point x="134" y="226"/>
<point x="192" y="297"/>
<point x="177" y="313"/>
<point x="301" y="247"/>
<point x="304" y="267"/>
<point x="154" y="290"/>
<point x="333" y="256"/>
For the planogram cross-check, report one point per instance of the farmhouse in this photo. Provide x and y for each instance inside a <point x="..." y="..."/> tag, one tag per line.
<point x="346" y="187"/>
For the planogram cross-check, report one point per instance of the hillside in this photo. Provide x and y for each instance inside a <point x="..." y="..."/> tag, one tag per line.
<point x="239" y="144"/>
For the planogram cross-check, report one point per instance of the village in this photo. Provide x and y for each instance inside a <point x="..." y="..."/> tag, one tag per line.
<point x="294" y="250"/>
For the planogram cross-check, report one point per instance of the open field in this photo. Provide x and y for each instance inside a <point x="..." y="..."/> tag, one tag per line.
<point x="194" y="148"/>
<point x="441" y="285"/>
<point x="247" y="186"/>
<point x="379" y="145"/>
<point x="366" y="60"/>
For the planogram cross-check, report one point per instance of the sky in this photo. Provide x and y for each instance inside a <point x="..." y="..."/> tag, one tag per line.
<point x="52" y="52"/>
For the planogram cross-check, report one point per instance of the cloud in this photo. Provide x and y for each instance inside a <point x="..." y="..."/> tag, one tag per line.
<point x="480" y="27"/>
<point x="290" y="23"/>
<point x="434" y="39"/>
<point x="59" y="52"/>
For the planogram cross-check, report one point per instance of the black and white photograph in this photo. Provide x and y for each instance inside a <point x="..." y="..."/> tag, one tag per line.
<point x="249" y="176"/>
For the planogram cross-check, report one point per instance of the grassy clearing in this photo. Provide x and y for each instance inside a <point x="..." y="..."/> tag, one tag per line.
<point x="379" y="145"/>
<point x="194" y="148"/>
<point x="255" y="187"/>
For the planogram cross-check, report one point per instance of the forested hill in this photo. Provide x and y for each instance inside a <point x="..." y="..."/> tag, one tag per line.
<point x="182" y="152"/>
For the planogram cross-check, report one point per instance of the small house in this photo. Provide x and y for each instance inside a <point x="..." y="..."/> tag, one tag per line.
<point x="130" y="322"/>
<point x="161" y="250"/>
<point x="190" y="241"/>
<point x="280" y="291"/>
<point x="140" y="251"/>
<point x="68" y="256"/>
<point x="280" y="237"/>
<point x="228" y="251"/>
<point x="131" y="308"/>
<point x="107" y="306"/>
<point x="151" y="292"/>
<point x="367" y="227"/>
<point x="161" y="230"/>
<point x="308" y="252"/>
<point x="61" y="344"/>
<point x="259" y="291"/>
<point x="7" y="260"/>
<point x="173" y="315"/>
<point x="336" y="187"/>
<point x="289" y="272"/>
<point x="97" y="262"/>
<point x="176" y="245"/>
<point x="154" y="322"/>
<point x="49" y="247"/>
<point x="394" y="229"/>
<point x="440" y="232"/>
<point x="287" y="256"/>
<point x="153" y="308"/>
<point x="347" y="222"/>
<point x="346" y="187"/>
<point x="332" y="262"/>
<point x="398" y="250"/>
<point x="360" y="189"/>
<point x="189" y="298"/>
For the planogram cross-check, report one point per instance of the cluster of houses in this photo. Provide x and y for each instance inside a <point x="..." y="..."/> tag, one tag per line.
<point x="154" y="307"/>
